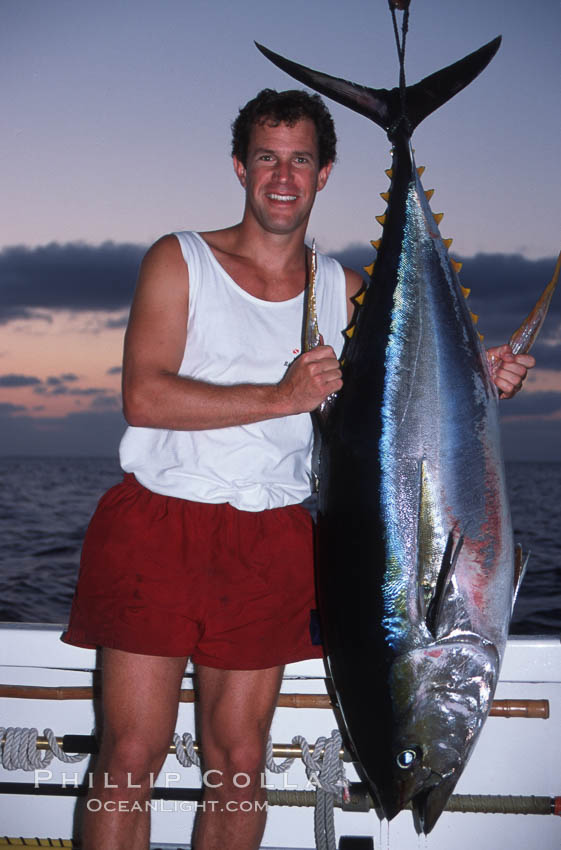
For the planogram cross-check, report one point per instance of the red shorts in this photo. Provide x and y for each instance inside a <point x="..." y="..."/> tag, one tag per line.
<point x="165" y="576"/>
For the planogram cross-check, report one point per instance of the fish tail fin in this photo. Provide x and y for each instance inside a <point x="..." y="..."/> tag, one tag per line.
<point x="386" y="107"/>
<point x="524" y="337"/>
<point x="433" y="91"/>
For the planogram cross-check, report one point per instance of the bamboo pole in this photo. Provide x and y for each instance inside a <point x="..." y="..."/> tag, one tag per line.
<point x="528" y="708"/>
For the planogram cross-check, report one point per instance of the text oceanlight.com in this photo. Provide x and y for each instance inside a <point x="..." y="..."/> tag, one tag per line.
<point x="96" y="805"/>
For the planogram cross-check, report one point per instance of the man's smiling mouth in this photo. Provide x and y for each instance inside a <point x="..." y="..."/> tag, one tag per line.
<point x="275" y="197"/>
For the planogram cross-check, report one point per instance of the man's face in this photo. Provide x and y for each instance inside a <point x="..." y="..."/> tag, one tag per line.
<point x="282" y="175"/>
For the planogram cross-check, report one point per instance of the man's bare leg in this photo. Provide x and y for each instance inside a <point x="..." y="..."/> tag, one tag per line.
<point x="236" y="708"/>
<point x="140" y="695"/>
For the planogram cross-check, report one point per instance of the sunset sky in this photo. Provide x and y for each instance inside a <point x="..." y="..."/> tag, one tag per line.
<point x="115" y="129"/>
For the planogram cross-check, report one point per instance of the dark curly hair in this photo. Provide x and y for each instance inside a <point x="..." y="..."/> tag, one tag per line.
<point x="285" y="107"/>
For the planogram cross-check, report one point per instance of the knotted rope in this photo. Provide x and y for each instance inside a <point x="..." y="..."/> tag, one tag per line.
<point x="19" y="751"/>
<point x="326" y="772"/>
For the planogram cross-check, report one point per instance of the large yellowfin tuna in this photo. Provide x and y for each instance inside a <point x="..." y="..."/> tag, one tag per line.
<point x="416" y="572"/>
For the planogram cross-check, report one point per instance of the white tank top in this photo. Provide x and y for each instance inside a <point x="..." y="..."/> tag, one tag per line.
<point x="232" y="338"/>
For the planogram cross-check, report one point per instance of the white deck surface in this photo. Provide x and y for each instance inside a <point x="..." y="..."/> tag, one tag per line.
<point x="513" y="756"/>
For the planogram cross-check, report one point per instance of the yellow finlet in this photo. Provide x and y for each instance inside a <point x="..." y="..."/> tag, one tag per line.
<point x="481" y="337"/>
<point x="389" y="172"/>
<point x="385" y="196"/>
<point x="448" y="242"/>
<point x="465" y="291"/>
<point x="429" y="193"/>
<point x="420" y="170"/>
<point x="474" y="317"/>
<point x="381" y="219"/>
<point x="376" y="243"/>
<point x="350" y="331"/>
<point x="438" y="217"/>
<point x="456" y="265"/>
<point x="369" y="269"/>
<point x="359" y="299"/>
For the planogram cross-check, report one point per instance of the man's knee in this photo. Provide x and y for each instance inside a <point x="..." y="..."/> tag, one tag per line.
<point x="242" y="760"/>
<point x="130" y="762"/>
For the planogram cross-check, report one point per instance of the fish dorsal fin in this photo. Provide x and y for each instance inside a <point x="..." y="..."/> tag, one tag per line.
<point x="449" y="559"/>
<point x="520" y="566"/>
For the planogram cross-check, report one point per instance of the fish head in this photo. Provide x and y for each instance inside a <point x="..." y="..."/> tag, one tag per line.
<point x="441" y="696"/>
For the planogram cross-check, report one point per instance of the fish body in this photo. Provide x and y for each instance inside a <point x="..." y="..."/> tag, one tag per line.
<point x="415" y="553"/>
<point x="416" y="565"/>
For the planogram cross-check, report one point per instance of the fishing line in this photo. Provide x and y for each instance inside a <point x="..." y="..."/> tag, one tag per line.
<point x="400" y="44"/>
<point x="394" y="5"/>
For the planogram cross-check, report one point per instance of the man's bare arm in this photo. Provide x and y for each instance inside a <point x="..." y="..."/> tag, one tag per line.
<point x="155" y="396"/>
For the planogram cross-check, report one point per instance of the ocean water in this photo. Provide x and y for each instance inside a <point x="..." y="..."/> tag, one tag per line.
<point x="46" y="503"/>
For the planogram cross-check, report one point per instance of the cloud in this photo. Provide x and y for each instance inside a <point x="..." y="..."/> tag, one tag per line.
<point x="16" y="381"/>
<point x="8" y="409"/>
<point x="106" y="402"/>
<point x="115" y="324"/>
<point x="73" y="276"/>
<point x="61" y="389"/>
<point x="59" y="385"/>
<point x="81" y="277"/>
<point x="504" y="288"/>
<point x="114" y="370"/>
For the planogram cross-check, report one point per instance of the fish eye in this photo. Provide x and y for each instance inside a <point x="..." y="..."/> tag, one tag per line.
<point x="407" y="759"/>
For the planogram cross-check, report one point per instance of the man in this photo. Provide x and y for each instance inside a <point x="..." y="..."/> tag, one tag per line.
<point x="204" y="550"/>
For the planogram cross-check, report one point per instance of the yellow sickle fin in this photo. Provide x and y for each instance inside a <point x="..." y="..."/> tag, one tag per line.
<point x="524" y="337"/>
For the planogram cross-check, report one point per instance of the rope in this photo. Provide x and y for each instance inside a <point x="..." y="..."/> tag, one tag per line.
<point x="326" y="772"/>
<point x="185" y="750"/>
<point x="324" y="768"/>
<point x="19" y="750"/>
<point x="401" y="56"/>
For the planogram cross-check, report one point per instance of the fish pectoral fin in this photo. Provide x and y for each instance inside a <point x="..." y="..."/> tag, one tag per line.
<point x="520" y="566"/>
<point x="524" y="337"/>
<point x="426" y="534"/>
<point x="449" y="559"/>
